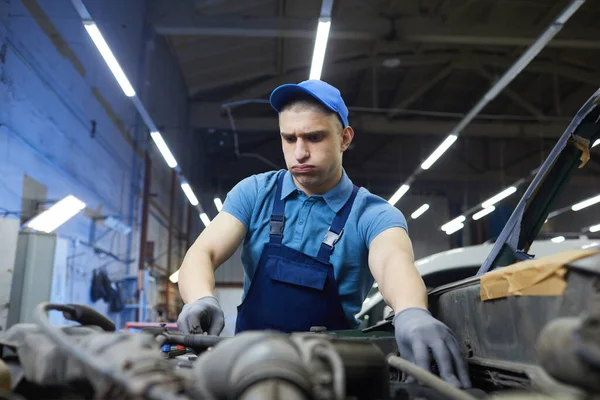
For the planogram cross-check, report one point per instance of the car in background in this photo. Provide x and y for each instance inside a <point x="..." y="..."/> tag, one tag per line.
<point x="456" y="264"/>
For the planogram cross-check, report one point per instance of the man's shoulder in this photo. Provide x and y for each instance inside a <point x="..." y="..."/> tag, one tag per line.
<point x="375" y="215"/>
<point x="261" y="182"/>
<point x="372" y="202"/>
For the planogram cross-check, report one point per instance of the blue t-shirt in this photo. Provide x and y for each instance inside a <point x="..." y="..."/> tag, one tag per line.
<point x="307" y="219"/>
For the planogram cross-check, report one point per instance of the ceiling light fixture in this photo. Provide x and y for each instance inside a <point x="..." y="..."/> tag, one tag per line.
<point x="218" y="204"/>
<point x="205" y="219"/>
<point x="454" y="222"/>
<point x="454" y="228"/>
<point x="59" y="213"/>
<point x="439" y="151"/>
<point x="398" y="195"/>
<point x="586" y="203"/>
<point x="483" y="212"/>
<point x="109" y="58"/>
<point x="420" y="211"/>
<point x="163" y="148"/>
<point x="174" y="277"/>
<point x="320" y="48"/>
<point x="500" y="196"/>
<point x="189" y="193"/>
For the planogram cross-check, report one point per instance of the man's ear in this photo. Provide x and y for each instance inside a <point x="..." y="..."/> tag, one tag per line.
<point x="347" y="136"/>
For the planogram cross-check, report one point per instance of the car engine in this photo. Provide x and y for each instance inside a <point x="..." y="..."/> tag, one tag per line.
<point x="94" y="361"/>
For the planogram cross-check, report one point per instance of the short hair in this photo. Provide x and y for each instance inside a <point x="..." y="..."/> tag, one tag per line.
<point x="304" y="101"/>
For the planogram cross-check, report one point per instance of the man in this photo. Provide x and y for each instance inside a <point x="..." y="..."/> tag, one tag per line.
<point x="314" y="242"/>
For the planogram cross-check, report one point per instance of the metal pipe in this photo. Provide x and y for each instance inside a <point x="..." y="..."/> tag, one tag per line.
<point x="170" y="241"/>
<point x="144" y="228"/>
<point x="188" y="229"/>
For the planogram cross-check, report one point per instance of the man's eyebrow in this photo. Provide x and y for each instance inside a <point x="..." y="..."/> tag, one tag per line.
<point x="319" y="132"/>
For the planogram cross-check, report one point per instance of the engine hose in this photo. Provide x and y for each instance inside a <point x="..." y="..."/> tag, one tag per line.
<point x="427" y="378"/>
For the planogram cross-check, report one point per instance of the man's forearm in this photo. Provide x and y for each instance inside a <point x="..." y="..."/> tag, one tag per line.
<point x="196" y="276"/>
<point x="401" y="285"/>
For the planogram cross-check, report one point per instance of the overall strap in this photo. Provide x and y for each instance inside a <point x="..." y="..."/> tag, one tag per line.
<point x="337" y="228"/>
<point x="277" y="216"/>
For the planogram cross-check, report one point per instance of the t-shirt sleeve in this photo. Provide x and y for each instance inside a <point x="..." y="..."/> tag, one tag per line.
<point x="378" y="216"/>
<point x="241" y="199"/>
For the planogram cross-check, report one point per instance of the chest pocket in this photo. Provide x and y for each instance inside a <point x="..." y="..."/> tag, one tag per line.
<point x="294" y="273"/>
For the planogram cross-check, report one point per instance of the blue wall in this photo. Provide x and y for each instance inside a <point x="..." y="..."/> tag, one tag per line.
<point x="53" y="83"/>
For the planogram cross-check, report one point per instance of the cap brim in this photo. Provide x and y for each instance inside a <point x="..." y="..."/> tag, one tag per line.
<point x="280" y="95"/>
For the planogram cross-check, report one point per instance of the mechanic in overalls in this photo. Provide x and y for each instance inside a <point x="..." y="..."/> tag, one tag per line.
<point x="313" y="243"/>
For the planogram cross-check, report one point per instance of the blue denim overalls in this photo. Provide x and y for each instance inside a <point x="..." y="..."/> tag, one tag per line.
<point x="292" y="291"/>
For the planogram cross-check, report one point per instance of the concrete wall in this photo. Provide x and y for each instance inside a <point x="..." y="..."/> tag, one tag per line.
<point x="53" y="84"/>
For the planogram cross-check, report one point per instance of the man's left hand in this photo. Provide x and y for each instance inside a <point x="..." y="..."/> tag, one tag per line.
<point x="417" y="331"/>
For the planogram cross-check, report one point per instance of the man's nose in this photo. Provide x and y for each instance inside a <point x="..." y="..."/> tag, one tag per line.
<point x="301" y="152"/>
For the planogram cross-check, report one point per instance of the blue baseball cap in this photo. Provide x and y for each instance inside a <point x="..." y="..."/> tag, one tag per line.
<point x="326" y="94"/>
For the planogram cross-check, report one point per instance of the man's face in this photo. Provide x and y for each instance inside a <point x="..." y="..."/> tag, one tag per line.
<point x="313" y="143"/>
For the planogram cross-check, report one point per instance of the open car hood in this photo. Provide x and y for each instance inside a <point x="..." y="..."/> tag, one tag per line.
<point x="571" y="152"/>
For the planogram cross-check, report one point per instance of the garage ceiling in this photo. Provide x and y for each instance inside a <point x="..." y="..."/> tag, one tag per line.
<point x="408" y="71"/>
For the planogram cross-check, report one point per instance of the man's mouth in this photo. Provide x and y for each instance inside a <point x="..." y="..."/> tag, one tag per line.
<point x="302" y="168"/>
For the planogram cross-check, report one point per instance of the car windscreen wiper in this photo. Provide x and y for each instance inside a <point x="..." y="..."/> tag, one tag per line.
<point x="570" y="153"/>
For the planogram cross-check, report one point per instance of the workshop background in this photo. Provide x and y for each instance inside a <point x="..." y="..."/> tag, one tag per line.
<point x="139" y="159"/>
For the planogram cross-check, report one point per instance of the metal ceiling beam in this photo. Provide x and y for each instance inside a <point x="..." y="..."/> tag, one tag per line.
<point x="546" y="67"/>
<point x="514" y="96"/>
<point x="339" y="68"/>
<point x="342" y="66"/>
<point x="412" y="30"/>
<point x="422" y="89"/>
<point x="210" y="115"/>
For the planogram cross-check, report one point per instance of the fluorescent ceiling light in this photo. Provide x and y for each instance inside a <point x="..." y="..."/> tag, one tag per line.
<point x="109" y="58"/>
<point x="58" y="214"/>
<point x="558" y="239"/>
<point x="595" y="228"/>
<point x="174" y="277"/>
<point x="568" y="13"/>
<point x="320" y="48"/>
<point x="420" y="211"/>
<point x="449" y="141"/>
<point x="454" y="222"/>
<point x="586" y="203"/>
<point x="454" y="228"/>
<point x="218" y="204"/>
<point x="596" y="143"/>
<point x="589" y="246"/>
<point x="398" y="195"/>
<point x="205" y="219"/>
<point x="189" y="193"/>
<point x="483" y="213"/>
<point x="500" y="196"/>
<point x="164" y="149"/>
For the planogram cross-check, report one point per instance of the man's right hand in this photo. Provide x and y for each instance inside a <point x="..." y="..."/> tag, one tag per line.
<point x="202" y="315"/>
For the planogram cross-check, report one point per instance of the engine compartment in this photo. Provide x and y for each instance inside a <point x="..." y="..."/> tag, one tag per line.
<point x="516" y="347"/>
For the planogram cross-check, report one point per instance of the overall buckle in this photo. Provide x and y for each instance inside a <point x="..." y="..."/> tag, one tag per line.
<point x="277" y="226"/>
<point x="331" y="238"/>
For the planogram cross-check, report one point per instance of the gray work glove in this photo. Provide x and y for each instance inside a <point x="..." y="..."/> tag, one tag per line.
<point x="203" y="315"/>
<point x="417" y="332"/>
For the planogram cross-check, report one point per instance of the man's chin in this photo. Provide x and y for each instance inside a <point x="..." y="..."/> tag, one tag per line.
<point x="307" y="179"/>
